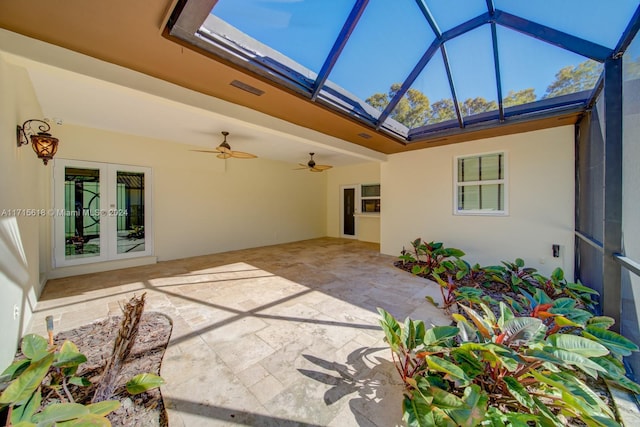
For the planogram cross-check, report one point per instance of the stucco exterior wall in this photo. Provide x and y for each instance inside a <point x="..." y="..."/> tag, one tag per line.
<point x="417" y="190"/>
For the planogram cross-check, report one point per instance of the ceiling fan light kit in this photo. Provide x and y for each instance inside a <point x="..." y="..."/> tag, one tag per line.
<point x="312" y="166"/>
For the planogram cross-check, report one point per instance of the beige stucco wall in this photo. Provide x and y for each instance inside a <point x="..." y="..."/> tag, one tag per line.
<point x="22" y="184"/>
<point x="417" y="190"/>
<point x="202" y="204"/>
<point x="368" y="229"/>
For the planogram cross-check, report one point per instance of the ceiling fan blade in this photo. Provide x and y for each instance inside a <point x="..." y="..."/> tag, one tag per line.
<point x="223" y="156"/>
<point x="301" y="168"/>
<point x="242" y="155"/>
<point x="315" y="169"/>
<point x="207" y="151"/>
<point x="322" y="167"/>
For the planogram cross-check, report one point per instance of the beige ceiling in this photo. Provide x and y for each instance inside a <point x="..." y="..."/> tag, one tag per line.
<point x="176" y="93"/>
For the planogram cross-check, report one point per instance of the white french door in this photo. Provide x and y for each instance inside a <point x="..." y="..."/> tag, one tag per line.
<point x="101" y="212"/>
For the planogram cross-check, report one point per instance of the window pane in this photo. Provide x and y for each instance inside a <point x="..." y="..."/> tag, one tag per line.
<point x="371" y="205"/>
<point x="469" y="197"/>
<point x="450" y="13"/>
<point x="376" y="57"/>
<point x="468" y="169"/>
<point x="594" y="20"/>
<point x="371" y="190"/>
<point x="474" y="75"/>
<point x="491" y="167"/>
<point x="491" y="197"/>
<point x="130" y="212"/>
<point x="82" y="212"/>
<point x="314" y="25"/>
<point x="532" y="70"/>
<point x="433" y="83"/>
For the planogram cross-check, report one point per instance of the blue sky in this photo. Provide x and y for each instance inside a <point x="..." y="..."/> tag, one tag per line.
<point x="392" y="35"/>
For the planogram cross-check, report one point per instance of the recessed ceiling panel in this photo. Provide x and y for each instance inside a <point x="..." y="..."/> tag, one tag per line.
<point x="451" y="13"/>
<point x="532" y="70"/>
<point x="473" y="70"/>
<point x="302" y="31"/>
<point x="598" y="21"/>
<point x="385" y="46"/>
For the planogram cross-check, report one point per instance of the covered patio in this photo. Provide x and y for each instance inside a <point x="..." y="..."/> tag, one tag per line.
<point x="282" y="335"/>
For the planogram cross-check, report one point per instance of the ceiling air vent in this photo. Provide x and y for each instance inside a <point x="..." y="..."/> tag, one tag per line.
<point x="364" y="135"/>
<point x="247" y="88"/>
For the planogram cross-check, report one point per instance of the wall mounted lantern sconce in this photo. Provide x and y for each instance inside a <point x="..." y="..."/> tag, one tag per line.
<point x="42" y="142"/>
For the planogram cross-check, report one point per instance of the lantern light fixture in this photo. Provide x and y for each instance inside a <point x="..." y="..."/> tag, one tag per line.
<point x="42" y="142"/>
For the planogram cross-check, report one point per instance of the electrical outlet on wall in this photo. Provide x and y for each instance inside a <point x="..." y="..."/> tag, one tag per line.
<point x="16" y="312"/>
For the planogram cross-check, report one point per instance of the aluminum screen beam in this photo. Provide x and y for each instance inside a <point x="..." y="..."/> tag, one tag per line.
<point x="612" y="232"/>
<point x="338" y="46"/>
<point x="557" y="38"/>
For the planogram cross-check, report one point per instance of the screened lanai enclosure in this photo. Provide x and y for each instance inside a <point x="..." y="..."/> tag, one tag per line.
<point x="417" y="70"/>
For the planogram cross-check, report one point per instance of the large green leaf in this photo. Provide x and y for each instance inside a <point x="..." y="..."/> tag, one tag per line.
<point x="88" y="420"/>
<point x="439" y="334"/>
<point x="451" y="370"/>
<point x="574" y="314"/>
<point x="417" y="411"/>
<point x="391" y="329"/>
<point x="25" y="412"/>
<point x="577" y="344"/>
<point x="485" y="329"/>
<point x="13" y="370"/>
<point x="523" y="331"/>
<point x="603" y="322"/>
<point x="505" y="315"/>
<point x="103" y="408"/>
<point x="477" y="401"/>
<point x="143" y="382"/>
<point x="574" y="359"/>
<point x="56" y="412"/>
<point x="580" y="389"/>
<point x="519" y="392"/>
<point x="469" y="362"/>
<point x="547" y="417"/>
<point x="581" y="288"/>
<point x="448" y="407"/>
<point x="68" y="356"/>
<point x="26" y="384"/>
<point x="618" y="344"/>
<point x="34" y="346"/>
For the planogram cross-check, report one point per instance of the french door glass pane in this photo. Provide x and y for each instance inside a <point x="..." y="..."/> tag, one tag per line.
<point x="82" y="212"/>
<point x="130" y="212"/>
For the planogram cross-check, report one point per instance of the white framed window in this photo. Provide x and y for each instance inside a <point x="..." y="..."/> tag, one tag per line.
<point x="480" y="184"/>
<point x="101" y="212"/>
<point x="370" y="198"/>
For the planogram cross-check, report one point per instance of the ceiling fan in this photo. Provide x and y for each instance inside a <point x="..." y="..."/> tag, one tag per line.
<point x="312" y="166"/>
<point x="224" y="150"/>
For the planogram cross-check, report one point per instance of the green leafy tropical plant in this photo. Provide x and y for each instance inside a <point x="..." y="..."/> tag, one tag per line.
<point x="46" y="374"/>
<point x="501" y="370"/>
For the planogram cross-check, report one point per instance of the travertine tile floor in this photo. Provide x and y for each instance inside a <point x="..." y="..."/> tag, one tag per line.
<point x="283" y="335"/>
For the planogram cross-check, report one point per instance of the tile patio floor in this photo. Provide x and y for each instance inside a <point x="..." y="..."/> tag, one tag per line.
<point x="282" y="336"/>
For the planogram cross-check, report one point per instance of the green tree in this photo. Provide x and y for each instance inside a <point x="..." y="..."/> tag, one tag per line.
<point x="520" y="97"/>
<point x="477" y="105"/>
<point x="442" y="110"/>
<point x="573" y="79"/>
<point x="412" y="110"/>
